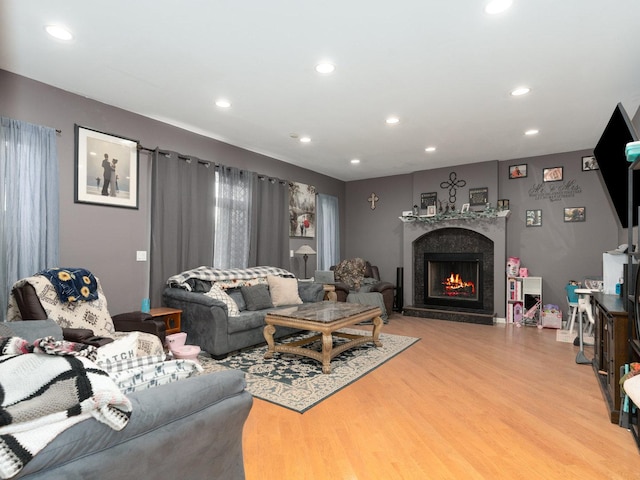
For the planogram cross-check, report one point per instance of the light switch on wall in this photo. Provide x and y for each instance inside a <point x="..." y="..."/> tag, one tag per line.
<point x="141" y="256"/>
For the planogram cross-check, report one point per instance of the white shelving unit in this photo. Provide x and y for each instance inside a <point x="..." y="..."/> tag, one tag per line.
<point x="522" y="294"/>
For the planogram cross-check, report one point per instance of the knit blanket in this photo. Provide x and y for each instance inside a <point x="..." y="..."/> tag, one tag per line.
<point x="72" y="284"/>
<point x="219" y="274"/>
<point x="41" y="395"/>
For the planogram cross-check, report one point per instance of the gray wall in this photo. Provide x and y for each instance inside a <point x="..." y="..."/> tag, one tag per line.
<point x="105" y="239"/>
<point x="557" y="251"/>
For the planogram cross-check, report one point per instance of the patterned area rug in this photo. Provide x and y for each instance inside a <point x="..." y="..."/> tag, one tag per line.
<point x="297" y="382"/>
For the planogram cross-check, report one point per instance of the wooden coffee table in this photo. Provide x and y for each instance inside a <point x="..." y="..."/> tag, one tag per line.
<point x="325" y="318"/>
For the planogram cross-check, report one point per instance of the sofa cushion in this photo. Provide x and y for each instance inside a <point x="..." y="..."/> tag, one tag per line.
<point x="219" y="294"/>
<point x="257" y="297"/>
<point x="283" y="291"/>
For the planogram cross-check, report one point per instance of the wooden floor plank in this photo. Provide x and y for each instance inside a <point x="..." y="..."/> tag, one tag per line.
<point x="465" y="402"/>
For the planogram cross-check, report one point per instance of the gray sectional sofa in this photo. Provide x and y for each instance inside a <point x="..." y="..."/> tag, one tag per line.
<point x="188" y="429"/>
<point x="208" y="325"/>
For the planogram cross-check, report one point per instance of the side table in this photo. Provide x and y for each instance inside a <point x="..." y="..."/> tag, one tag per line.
<point x="170" y="316"/>
<point x="330" y="293"/>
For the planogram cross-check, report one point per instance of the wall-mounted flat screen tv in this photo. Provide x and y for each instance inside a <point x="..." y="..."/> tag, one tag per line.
<point x="614" y="168"/>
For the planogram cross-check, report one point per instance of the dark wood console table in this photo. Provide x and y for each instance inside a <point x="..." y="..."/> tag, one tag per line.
<point x="611" y="348"/>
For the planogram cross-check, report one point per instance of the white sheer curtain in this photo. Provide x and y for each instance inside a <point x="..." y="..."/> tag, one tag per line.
<point x="29" y="199"/>
<point x="328" y="231"/>
<point x="233" y="215"/>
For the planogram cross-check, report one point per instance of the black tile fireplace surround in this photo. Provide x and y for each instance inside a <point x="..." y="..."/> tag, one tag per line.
<point x="454" y="241"/>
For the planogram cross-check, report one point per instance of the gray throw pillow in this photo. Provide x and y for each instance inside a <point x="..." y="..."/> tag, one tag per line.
<point x="237" y="297"/>
<point x="256" y="297"/>
<point x="310" y="292"/>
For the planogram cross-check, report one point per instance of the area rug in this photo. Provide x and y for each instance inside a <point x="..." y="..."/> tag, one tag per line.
<point x="297" y="382"/>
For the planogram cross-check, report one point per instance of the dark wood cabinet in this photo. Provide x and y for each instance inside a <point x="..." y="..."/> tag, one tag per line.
<point x="611" y="348"/>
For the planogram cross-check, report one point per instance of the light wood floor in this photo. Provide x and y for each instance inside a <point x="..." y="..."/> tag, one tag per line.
<point x="466" y="402"/>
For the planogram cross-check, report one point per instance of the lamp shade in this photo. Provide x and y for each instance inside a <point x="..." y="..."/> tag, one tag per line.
<point x="305" y="250"/>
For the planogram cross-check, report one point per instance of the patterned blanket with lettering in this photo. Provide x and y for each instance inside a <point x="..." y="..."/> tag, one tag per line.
<point x="41" y="395"/>
<point x="219" y="274"/>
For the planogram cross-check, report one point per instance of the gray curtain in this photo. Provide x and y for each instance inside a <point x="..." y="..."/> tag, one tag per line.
<point x="182" y="217"/>
<point x="29" y="191"/>
<point x="233" y="218"/>
<point x="328" y="231"/>
<point x="270" y="223"/>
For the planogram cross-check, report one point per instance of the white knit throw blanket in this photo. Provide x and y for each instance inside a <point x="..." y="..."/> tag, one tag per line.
<point x="43" y="395"/>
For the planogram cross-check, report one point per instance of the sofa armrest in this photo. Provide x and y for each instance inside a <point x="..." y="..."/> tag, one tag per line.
<point x="77" y="334"/>
<point x="33" y="329"/>
<point x="140" y="322"/>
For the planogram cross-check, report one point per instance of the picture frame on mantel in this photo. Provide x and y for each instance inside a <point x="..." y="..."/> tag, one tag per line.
<point x="478" y="196"/>
<point x="106" y="169"/>
<point x="428" y="199"/>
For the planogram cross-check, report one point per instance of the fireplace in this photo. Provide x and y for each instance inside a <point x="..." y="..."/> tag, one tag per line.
<point x="454" y="279"/>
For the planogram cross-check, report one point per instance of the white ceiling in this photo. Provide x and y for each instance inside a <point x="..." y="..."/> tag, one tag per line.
<point x="445" y="68"/>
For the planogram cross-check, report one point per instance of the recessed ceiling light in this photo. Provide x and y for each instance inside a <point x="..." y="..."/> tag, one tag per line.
<point x="325" y="67"/>
<point x="516" y="92"/>
<point x="305" y="139"/>
<point x="222" y="103"/>
<point x="497" y="6"/>
<point x="355" y="161"/>
<point x="430" y="149"/>
<point x="533" y="131"/>
<point x="59" y="32"/>
<point x="392" y="120"/>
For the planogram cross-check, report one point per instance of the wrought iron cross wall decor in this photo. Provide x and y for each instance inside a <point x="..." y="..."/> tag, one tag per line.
<point x="453" y="184"/>
<point x="373" y="198"/>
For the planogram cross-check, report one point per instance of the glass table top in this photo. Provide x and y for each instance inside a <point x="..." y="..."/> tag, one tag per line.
<point x="323" y="311"/>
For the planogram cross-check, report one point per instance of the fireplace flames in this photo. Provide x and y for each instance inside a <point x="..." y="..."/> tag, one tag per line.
<point x="454" y="286"/>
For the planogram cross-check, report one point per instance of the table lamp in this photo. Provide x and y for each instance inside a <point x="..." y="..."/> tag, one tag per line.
<point x="305" y="251"/>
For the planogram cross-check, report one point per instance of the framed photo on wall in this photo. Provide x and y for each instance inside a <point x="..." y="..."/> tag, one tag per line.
<point x="533" y="218"/>
<point x="552" y="174"/>
<point x="302" y="210"/>
<point x="589" y="163"/>
<point x="518" y="171"/>
<point x="106" y="169"/>
<point x="575" y="214"/>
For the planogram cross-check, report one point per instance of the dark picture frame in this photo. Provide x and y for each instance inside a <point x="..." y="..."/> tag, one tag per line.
<point x="575" y="214"/>
<point x="106" y="169"/>
<point x="553" y="174"/>
<point x="589" y="163"/>
<point x="533" y="218"/>
<point x="302" y="210"/>
<point x="427" y="199"/>
<point x="478" y="196"/>
<point x="518" y="171"/>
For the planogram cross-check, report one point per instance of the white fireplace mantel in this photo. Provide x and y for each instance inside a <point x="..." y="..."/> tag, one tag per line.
<point x="494" y="228"/>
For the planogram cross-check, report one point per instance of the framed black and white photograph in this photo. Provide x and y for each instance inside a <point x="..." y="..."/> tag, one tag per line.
<point x="533" y="218"/>
<point x="465" y="208"/>
<point x="518" y="171"/>
<point x="106" y="169"/>
<point x="428" y="199"/>
<point x="575" y="214"/>
<point x="478" y="196"/>
<point x="431" y="211"/>
<point x="552" y="174"/>
<point x="503" y="204"/>
<point x="589" y="163"/>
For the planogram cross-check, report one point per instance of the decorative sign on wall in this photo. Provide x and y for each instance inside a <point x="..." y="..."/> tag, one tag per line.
<point x="554" y="191"/>
<point x="478" y="196"/>
<point x="427" y="199"/>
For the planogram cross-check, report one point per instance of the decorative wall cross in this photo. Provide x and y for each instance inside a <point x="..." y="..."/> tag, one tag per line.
<point x="453" y="184"/>
<point x="373" y="198"/>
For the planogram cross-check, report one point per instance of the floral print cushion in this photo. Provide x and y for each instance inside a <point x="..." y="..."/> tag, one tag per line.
<point x="351" y="272"/>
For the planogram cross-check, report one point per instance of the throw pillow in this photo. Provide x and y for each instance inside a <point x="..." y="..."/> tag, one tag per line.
<point x="237" y="297"/>
<point x="123" y="348"/>
<point x="284" y="291"/>
<point x="217" y="293"/>
<point x="310" y="292"/>
<point x="256" y="297"/>
<point x="351" y="272"/>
